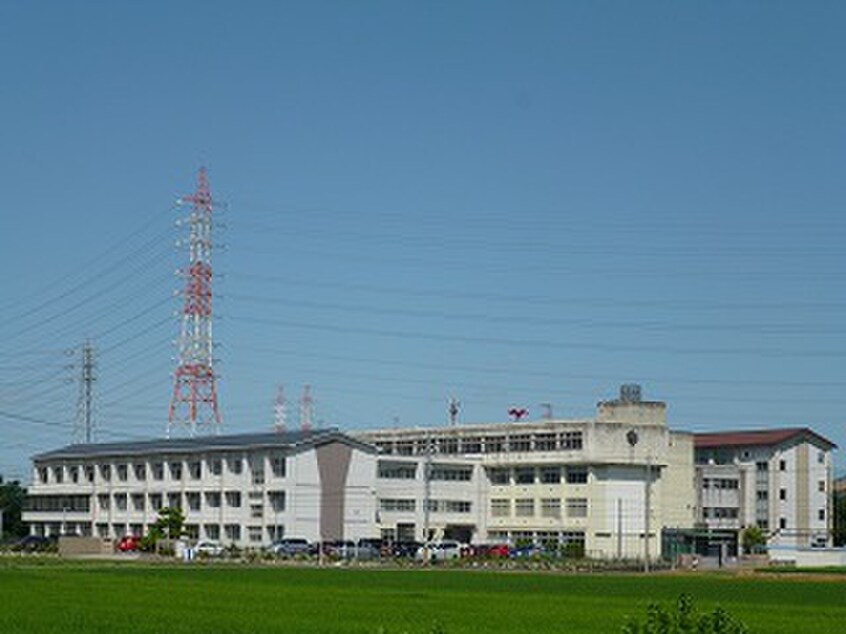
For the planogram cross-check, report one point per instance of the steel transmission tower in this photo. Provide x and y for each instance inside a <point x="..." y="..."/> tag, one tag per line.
<point x="84" y="427"/>
<point x="194" y="402"/>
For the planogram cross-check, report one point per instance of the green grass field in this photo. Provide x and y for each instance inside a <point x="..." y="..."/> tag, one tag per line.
<point x="56" y="597"/>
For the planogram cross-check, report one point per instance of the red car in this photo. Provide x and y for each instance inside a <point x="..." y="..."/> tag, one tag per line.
<point x="128" y="543"/>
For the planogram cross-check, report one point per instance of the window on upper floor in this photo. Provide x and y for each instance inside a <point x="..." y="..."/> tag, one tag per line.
<point x="175" y="470"/>
<point x="235" y="465"/>
<point x="577" y="507"/>
<point x="499" y="476"/>
<point x="577" y="475"/>
<point x="122" y="472"/>
<point x="782" y="494"/>
<point x="782" y="465"/>
<point x="500" y="507"/>
<point x="821" y="486"/>
<point x="140" y="471"/>
<point x="277" y="465"/>
<point x="821" y="457"/>
<point x="106" y="472"/>
<point x="58" y="474"/>
<point x="550" y="475"/>
<point x="821" y="515"/>
<point x="524" y="475"/>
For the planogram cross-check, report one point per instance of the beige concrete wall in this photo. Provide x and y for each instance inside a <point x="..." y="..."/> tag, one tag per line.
<point x="75" y="546"/>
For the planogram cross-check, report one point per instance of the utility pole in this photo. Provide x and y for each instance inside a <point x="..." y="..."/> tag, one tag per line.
<point x="619" y="528"/>
<point x="647" y="512"/>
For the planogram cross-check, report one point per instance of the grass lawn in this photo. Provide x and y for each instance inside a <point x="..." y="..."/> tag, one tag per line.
<point x="92" y="598"/>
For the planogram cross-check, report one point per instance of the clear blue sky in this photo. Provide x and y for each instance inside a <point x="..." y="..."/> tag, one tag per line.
<point x="513" y="203"/>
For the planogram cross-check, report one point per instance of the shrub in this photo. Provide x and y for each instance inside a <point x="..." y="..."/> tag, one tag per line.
<point x="685" y="620"/>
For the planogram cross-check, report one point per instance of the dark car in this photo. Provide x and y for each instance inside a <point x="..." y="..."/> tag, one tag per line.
<point x="33" y="543"/>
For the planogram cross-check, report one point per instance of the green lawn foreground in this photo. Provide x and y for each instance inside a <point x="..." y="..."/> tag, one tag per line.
<point x="230" y="598"/>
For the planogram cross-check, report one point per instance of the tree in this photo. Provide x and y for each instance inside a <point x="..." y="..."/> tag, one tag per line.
<point x="169" y="526"/>
<point x="752" y="539"/>
<point x="12" y="496"/>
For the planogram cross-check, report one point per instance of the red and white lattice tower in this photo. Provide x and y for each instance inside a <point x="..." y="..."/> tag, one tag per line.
<point x="194" y="402"/>
<point x="280" y="411"/>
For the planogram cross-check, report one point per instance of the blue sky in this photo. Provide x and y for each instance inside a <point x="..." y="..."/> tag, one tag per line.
<point x="512" y="203"/>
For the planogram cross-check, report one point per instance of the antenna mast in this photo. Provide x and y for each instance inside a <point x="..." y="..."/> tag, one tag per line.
<point x="194" y="402"/>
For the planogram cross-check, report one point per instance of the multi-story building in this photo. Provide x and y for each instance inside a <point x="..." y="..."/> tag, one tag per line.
<point x="600" y="484"/>
<point x="246" y="489"/>
<point x="779" y="480"/>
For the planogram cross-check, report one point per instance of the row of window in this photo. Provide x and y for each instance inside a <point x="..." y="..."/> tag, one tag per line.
<point x="394" y="505"/>
<point x="175" y="470"/>
<point x="720" y="483"/>
<point x="528" y="507"/>
<point x="499" y="443"/>
<point x="720" y="512"/>
<point x="541" y="475"/>
<point x="193" y="501"/>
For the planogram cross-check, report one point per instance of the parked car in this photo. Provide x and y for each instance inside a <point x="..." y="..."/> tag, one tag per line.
<point x="128" y="543"/>
<point x="209" y="548"/>
<point x="290" y="546"/>
<point x="442" y="551"/>
<point x="491" y="551"/>
<point x="33" y="543"/>
<point x="405" y="549"/>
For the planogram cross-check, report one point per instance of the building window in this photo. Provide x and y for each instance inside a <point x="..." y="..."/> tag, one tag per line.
<point x="106" y="472"/>
<point x="451" y="473"/>
<point x="397" y="470"/>
<point x="551" y="507"/>
<point x="577" y="475"/>
<point x="256" y="511"/>
<point x="500" y="507"/>
<point x="140" y="471"/>
<point x="193" y="500"/>
<point x="233" y="499"/>
<point x="762" y="466"/>
<point x="498" y="476"/>
<point x="545" y="442"/>
<point x="192" y="531"/>
<point x="254" y="533"/>
<point x="122" y="472"/>
<point x="277" y="465"/>
<point x="175" y="470"/>
<point x="137" y="501"/>
<point x="58" y="474"/>
<point x="74" y="474"/>
<point x="520" y="442"/>
<point x="195" y="469"/>
<point x="471" y="445"/>
<point x="782" y="522"/>
<point x="393" y="505"/>
<point x="524" y="507"/>
<point x="232" y="531"/>
<point x="762" y="495"/>
<point x="158" y="471"/>
<point x="577" y="507"/>
<point x="821" y="457"/>
<point x="235" y="465"/>
<point x="571" y="440"/>
<point x="213" y="499"/>
<point x="212" y="531"/>
<point x="215" y="466"/>
<point x="103" y="501"/>
<point x="277" y="500"/>
<point x="551" y="475"/>
<point x="257" y="469"/>
<point x="156" y="501"/>
<point x="782" y="494"/>
<point x="174" y="500"/>
<point x="524" y="475"/>
<point x="494" y="444"/>
<point x="821" y="486"/>
<point x="120" y="501"/>
<point x="821" y="515"/>
<point x="782" y="465"/>
<point x="405" y="447"/>
<point x="448" y="445"/>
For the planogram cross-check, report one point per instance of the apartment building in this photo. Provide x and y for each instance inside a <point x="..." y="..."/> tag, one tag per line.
<point x="778" y="479"/>
<point x="246" y="489"/>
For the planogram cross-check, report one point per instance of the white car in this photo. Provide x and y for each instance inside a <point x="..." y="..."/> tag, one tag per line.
<point x="209" y="548"/>
<point x="441" y="551"/>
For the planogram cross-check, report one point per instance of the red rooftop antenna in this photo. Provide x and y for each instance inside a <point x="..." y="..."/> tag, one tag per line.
<point x="194" y="402"/>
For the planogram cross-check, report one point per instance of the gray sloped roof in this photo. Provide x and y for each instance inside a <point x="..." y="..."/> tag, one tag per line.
<point x="291" y="440"/>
